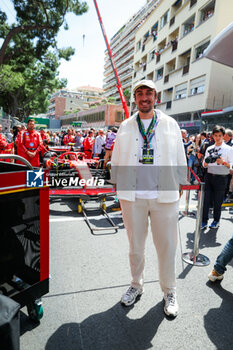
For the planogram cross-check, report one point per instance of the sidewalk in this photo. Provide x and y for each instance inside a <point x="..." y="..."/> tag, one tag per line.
<point x="89" y="274"/>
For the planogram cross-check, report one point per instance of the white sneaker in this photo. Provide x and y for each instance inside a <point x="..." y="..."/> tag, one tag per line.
<point x="130" y="296"/>
<point x="214" y="276"/>
<point x="171" y="307"/>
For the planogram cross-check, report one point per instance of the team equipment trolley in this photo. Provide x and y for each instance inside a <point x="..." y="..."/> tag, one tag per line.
<point x="81" y="178"/>
<point x="24" y="237"/>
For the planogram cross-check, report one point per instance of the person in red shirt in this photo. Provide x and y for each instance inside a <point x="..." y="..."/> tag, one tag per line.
<point x="44" y="136"/>
<point x="88" y="144"/>
<point x="31" y="144"/>
<point x="68" y="138"/>
<point x="6" y="148"/>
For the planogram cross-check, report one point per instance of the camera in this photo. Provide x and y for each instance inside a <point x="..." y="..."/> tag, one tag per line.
<point x="212" y="157"/>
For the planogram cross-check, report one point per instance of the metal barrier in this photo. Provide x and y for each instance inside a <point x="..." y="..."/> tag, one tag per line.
<point x="194" y="258"/>
<point x="16" y="157"/>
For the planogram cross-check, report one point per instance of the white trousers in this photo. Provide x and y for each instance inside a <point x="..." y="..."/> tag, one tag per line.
<point x="163" y="217"/>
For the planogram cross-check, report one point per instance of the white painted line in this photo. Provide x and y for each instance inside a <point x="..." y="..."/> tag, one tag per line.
<point x="65" y="219"/>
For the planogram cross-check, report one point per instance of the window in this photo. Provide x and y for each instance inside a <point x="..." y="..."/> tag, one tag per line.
<point x="192" y="3"/>
<point x="152" y="55"/>
<point x="200" y="49"/>
<point x="138" y="46"/>
<point x="181" y="91"/>
<point x="188" y="26"/>
<point x="146" y="36"/>
<point x="197" y="85"/>
<point x="166" y="78"/>
<point x="164" y="19"/>
<point x="154" y="31"/>
<point x="159" y="74"/>
<point x="118" y="117"/>
<point x="207" y="11"/>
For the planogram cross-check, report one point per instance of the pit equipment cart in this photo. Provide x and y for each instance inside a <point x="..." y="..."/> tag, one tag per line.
<point x="24" y="237"/>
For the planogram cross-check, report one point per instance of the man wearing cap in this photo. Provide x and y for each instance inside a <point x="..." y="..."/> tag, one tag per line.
<point x="148" y="165"/>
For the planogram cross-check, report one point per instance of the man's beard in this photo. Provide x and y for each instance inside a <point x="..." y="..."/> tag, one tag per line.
<point x="145" y="109"/>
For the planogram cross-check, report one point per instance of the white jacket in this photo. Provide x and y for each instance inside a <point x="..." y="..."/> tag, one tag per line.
<point x="171" y="160"/>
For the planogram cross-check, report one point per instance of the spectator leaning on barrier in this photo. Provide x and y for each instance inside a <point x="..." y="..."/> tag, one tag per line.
<point x="149" y="155"/>
<point x="218" y="160"/>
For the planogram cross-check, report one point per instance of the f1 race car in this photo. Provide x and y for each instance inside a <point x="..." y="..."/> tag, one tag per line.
<point x="73" y="175"/>
<point x="69" y="166"/>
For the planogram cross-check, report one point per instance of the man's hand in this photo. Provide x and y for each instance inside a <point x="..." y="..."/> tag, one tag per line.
<point x="220" y="161"/>
<point x="31" y="154"/>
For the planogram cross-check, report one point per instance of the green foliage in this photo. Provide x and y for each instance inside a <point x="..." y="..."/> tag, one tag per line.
<point x="29" y="56"/>
<point x="127" y="95"/>
<point x="111" y="99"/>
<point x="10" y="80"/>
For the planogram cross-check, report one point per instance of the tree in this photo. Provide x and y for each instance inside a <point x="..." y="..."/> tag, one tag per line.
<point x="26" y="92"/>
<point x="29" y="56"/>
<point x="111" y="99"/>
<point x="37" y="25"/>
<point x="127" y="95"/>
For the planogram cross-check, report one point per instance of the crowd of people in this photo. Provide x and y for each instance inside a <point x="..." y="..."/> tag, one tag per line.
<point x="31" y="144"/>
<point x="195" y="150"/>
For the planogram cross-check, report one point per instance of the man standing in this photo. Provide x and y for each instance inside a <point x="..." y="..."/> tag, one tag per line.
<point x="218" y="160"/>
<point x="30" y="144"/>
<point x="88" y="144"/>
<point x="148" y="165"/>
<point x="68" y="138"/>
<point x="99" y="145"/>
<point x="111" y="135"/>
<point x="228" y="137"/>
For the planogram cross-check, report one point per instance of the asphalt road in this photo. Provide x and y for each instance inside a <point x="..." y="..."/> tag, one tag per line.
<point x="90" y="272"/>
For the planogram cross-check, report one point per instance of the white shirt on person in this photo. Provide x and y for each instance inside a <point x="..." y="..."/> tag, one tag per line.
<point x="224" y="151"/>
<point x="147" y="185"/>
<point x="99" y="143"/>
<point x="170" y="155"/>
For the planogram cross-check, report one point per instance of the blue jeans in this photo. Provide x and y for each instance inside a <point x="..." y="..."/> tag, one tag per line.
<point x="225" y="257"/>
<point x="192" y="161"/>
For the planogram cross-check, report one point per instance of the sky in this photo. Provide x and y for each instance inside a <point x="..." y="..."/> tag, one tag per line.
<point x="86" y="66"/>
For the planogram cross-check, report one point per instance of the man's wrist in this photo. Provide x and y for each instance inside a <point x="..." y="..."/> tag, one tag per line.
<point x="225" y="164"/>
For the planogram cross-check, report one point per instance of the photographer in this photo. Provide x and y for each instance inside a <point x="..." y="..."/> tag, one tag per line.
<point x="218" y="160"/>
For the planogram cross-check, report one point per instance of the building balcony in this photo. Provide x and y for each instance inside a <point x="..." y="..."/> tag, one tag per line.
<point x="123" y="42"/>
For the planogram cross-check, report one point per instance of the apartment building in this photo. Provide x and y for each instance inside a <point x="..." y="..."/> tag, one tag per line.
<point x="104" y="117"/>
<point x="122" y="47"/>
<point x="70" y="101"/>
<point x="169" y="48"/>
